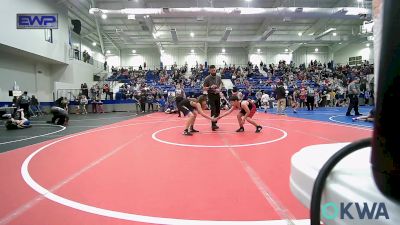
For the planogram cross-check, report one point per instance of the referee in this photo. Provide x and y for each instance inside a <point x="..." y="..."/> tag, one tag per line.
<point x="212" y="84"/>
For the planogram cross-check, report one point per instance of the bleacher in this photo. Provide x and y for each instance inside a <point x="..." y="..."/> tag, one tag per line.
<point x="256" y="81"/>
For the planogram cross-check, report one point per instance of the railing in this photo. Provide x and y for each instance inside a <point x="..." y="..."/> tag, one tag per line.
<point x="148" y="67"/>
<point x="78" y="55"/>
<point x="153" y="67"/>
<point x="70" y="94"/>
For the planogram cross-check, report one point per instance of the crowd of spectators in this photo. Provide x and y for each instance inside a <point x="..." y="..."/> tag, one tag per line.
<point x="315" y="84"/>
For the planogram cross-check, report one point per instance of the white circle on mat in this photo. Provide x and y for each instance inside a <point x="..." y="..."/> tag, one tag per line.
<point x="116" y="214"/>
<point x="37" y="136"/>
<point x="154" y="136"/>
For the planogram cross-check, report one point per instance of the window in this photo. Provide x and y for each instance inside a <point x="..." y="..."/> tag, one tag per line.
<point x="353" y="61"/>
<point x="48" y="35"/>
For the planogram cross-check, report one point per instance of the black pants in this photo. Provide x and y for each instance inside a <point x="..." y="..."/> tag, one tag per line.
<point x="353" y="104"/>
<point x="150" y="105"/>
<point x="310" y="102"/>
<point x="215" y="105"/>
<point x="61" y="119"/>
<point x="143" y="106"/>
<point x="26" y="110"/>
<point x="258" y="103"/>
<point x="108" y="94"/>
<point x="178" y="100"/>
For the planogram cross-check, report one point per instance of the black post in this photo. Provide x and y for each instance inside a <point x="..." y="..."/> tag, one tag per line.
<point x="385" y="157"/>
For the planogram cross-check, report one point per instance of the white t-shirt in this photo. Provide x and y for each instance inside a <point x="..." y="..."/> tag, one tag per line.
<point x="328" y="97"/>
<point x="265" y="98"/>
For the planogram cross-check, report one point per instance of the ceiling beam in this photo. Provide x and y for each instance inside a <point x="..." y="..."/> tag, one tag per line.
<point x="321" y="23"/>
<point x="295" y="46"/>
<point x="84" y="16"/>
<point x="268" y="21"/>
<point x="98" y="30"/>
<point x="112" y="42"/>
<point x="337" y="47"/>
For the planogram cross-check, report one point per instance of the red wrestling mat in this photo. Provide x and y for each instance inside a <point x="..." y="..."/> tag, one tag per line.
<point x="145" y="170"/>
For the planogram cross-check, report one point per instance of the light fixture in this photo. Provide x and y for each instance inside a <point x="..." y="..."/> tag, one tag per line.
<point x="156" y="35"/>
<point x="359" y="1"/>
<point x="300" y="34"/>
<point x="319" y="36"/>
<point x="286" y="50"/>
<point x="267" y="33"/>
<point x="368" y="45"/>
<point x="94" y="43"/>
<point x="342" y="11"/>
<point x="299" y="10"/>
<point x="133" y="51"/>
<point x="223" y="50"/>
<point x="132" y="17"/>
<point x="228" y="31"/>
<point x="334" y="34"/>
<point x="248" y="0"/>
<point x="340" y="43"/>
<point x="192" y="51"/>
<point x="316" y="49"/>
<point x="174" y="35"/>
<point x="258" y="50"/>
<point x="108" y="51"/>
<point x="191" y="34"/>
<point x="104" y="16"/>
<point x="287" y="19"/>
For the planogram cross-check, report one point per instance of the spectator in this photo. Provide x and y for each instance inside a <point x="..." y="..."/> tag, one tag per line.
<point x="64" y="103"/>
<point x="281" y="97"/>
<point x="150" y="101"/>
<point x="236" y="92"/>
<point x="94" y="105"/>
<point x="84" y="89"/>
<point x="106" y="90"/>
<point x="179" y="96"/>
<point x="142" y="100"/>
<point x="224" y="102"/>
<point x="83" y="102"/>
<point x="15" y="101"/>
<point x="258" y="98"/>
<point x="100" y="108"/>
<point x="24" y="101"/>
<point x="161" y="103"/>
<point x="35" y="107"/>
<point x="265" y="101"/>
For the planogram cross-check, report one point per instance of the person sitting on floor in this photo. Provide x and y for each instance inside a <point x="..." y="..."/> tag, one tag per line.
<point x="18" y="122"/>
<point x="368" y="118"/>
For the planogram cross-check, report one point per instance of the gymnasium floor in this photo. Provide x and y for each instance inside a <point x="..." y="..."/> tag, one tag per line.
<point x="127" y="169"/>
